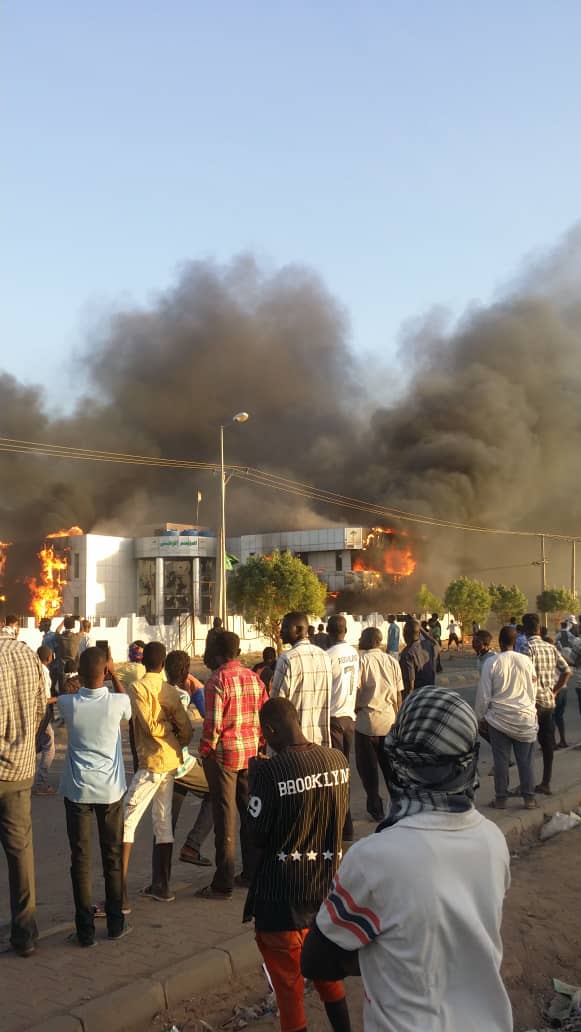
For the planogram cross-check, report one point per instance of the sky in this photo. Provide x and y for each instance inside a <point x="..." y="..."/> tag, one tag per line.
<point x="415" y="154"/>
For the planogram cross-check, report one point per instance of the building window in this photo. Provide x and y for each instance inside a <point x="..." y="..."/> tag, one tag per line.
<point x="146" y="589"/>
<point x="76" y="605"/>
<point x="76" y="565"/>
<point x="177" y="594"/>
<point x="338" y="562"/>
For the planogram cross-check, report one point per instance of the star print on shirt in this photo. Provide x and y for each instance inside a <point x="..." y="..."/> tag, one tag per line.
<point x="327" y="855"/>
<point x="311" y="855"/>
<point x="281" y="856"/>
<point x="296" y="855"/>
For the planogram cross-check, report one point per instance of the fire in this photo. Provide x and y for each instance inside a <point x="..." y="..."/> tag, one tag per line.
<point x="71" y="532"/>
<point x="385" y="557"/>
<point x="47" y="594"/>
<point x="4" y="546"/>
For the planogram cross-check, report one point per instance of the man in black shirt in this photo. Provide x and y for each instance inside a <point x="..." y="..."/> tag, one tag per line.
<point x="418" y="659"/>
<point x="297" y="807"/>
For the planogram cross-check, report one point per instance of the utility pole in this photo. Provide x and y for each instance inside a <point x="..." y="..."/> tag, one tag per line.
<point x="573" y="572"/>
<point x="543" y="571"/>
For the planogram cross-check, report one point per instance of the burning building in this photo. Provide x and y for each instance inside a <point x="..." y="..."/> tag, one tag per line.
<point x="172" y="570"/>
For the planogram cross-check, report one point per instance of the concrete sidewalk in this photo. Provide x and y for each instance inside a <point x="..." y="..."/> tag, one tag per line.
<point x="179" y="949"/>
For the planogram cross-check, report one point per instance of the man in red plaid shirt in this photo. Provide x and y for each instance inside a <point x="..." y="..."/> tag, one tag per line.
<point x="234" y="696"/>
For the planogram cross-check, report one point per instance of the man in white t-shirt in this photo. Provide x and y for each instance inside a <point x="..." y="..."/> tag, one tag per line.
<point x="345" y="668"/>
<point x="419" y="905"/>
<point x="506" y="701"/>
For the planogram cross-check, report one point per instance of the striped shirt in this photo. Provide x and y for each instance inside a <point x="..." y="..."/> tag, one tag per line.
<point x="22" y="707"/>
<point x="304" y="675"/>
<point x="297" y="807"/>
<point x="233" y="698"/>
<point x="549" y="665"/>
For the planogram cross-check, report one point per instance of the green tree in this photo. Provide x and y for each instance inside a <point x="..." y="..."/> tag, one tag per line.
<point x="267" y="586"/>
<point x="427" y="602"/>
<point x="468" y="600"/>
<point x="507" y="600"/>
<point x="557" y="600"/>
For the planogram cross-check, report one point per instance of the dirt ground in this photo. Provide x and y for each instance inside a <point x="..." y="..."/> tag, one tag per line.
<point x="542" y="940"/>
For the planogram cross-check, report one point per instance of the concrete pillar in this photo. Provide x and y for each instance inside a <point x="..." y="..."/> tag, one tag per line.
<point x="159" y="591"/>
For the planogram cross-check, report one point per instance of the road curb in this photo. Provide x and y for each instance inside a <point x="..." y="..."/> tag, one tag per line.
<point x="129" y="1008"/>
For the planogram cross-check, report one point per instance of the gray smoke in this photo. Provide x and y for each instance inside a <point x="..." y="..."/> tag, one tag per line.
<point x="486" y="430"/>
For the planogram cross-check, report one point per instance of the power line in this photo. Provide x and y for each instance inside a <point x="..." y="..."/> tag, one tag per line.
<point x="262" y="478"/>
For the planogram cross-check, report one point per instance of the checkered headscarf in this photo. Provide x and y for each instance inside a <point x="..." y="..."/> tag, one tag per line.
<point x="432" y="753"/>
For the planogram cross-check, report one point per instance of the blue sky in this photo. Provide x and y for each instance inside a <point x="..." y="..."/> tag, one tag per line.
<point x="414" y="153"/>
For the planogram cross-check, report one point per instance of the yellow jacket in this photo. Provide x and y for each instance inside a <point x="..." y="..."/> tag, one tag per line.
<point x="160" y="723"/>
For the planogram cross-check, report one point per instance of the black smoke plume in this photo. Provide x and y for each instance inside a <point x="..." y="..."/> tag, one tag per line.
<point x="486" y="430"/>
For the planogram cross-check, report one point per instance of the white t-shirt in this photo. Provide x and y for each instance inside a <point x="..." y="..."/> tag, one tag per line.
<point x="422" y="902"/>
<point x="506" y="696"/>
<point x="47" y="682"/>
<point x="454" y="628"/>
<point x="345" y="667"/>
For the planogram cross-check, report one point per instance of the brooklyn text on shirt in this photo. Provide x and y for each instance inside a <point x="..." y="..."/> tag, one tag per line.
<point x="328" y="779"/>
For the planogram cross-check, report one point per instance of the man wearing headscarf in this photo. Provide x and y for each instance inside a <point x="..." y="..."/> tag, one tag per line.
<point x="417" y="909"/>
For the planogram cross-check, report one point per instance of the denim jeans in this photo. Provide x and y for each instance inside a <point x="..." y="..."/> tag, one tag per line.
<point x="45" y="746"/>
<point x="559" y="713"/>
<point x="523" y="753"/>
<point x="79" y="830"/>
<point x="16" y="839"/>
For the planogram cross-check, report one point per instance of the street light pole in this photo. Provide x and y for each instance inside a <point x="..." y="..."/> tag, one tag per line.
<point x="222" y="606"/>
<point x="222" y="601"/>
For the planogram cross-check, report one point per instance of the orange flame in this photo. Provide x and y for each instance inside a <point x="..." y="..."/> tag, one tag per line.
<point x="47" y="594"/>
<point x="386" y="558"/>
<point x="4" y="546"/>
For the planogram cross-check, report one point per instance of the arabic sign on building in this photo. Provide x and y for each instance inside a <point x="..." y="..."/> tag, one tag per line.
<point x="175" y="545"/>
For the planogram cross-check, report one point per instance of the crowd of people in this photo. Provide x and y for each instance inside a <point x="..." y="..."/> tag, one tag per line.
<point x="414" y="910"/>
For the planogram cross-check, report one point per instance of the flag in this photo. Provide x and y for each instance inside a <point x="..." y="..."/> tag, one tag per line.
<point x="231" y="561"/>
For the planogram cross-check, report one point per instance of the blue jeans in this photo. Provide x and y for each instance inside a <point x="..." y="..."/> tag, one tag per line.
<point x="523" y="753"/>
<point x="559" y="713"/>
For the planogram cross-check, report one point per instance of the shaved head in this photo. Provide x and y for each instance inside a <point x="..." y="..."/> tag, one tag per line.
<point x="294" y="627"/>
<point x="337" y="628"/>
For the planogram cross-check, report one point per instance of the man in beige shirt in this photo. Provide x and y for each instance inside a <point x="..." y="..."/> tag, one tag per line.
<point x="376" y="707"/>
<point x="161" y="728"/>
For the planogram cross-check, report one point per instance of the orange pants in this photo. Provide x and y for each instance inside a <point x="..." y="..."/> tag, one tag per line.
<point x="282" y="956"/>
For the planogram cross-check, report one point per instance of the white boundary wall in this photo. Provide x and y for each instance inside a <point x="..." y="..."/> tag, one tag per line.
<point x="178" y="634"/>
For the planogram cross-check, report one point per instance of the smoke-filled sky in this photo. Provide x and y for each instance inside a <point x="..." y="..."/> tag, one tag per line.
<point x="486" y="428"/>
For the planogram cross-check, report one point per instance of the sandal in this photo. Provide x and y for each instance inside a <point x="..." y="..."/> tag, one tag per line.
<point x="193" y="856"/>
<point x="208" y="892"/>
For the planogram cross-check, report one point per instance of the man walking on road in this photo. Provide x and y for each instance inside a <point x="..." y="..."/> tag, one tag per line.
<point x="93" y="781"/>
<point x="378" y="701"/>
<point x="552" y="672"/>
<point x="345" y="667"/>
<point x="303" y="675"/>
<point x="505" y="700"/>
<point x="296" y="811"/>
<point x="233" y="698"/>
<point x="22" y="708"/>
